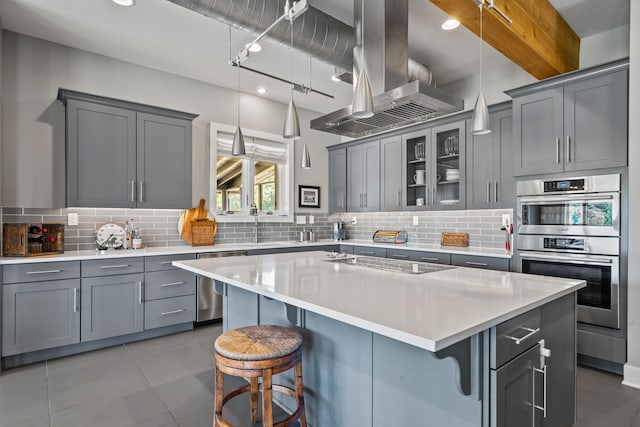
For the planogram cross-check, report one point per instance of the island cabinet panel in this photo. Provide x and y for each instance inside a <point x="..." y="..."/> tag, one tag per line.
<point x="240" y="308"/>
<point x="420" y="387"/>
<point x="337" y="366"/>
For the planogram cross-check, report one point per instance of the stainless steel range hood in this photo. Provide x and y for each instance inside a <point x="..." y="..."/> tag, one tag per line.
<point x="381" y="30"/>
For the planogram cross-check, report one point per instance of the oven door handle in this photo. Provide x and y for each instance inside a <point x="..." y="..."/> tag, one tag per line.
<point x="568" y="259"/>
<point x="567" y="198"/>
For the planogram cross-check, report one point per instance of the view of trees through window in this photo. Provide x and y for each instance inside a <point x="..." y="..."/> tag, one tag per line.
<point x="229" y="185"/>
<point x="265" y="194"/>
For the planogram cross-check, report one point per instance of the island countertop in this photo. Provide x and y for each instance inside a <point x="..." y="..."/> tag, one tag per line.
<point x="430" y="311"/>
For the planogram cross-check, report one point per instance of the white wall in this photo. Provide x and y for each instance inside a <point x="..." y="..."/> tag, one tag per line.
<point x="632" y="368"/>
<point x="33" y="151"/>
<point x="604" y="47"/>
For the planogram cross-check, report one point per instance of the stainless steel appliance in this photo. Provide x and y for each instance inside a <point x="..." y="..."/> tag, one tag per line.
<point x="571" y="228"/>
<point x="339" y="232"/>
<point x="209" y="304"/>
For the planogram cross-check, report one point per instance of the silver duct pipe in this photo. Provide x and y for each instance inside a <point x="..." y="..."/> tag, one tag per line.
<point x="317" y="34"/>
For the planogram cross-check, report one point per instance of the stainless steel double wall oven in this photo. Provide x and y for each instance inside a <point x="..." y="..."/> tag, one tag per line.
<point x="571" y="228"/>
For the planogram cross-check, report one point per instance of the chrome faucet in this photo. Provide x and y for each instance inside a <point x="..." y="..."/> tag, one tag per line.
<point x="254" y="213"/>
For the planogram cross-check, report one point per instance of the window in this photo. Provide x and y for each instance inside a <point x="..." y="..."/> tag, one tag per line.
<point x="264" y="176"/>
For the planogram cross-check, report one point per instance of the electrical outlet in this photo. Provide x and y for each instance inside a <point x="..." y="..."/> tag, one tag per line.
<point x="354" y="220"/>
<point x="301" y="219"/>
<point x="415" y="220"/>
<point x="72" y="218"/>
<point x="506" y="220"/>
<point x="311" y="219"/>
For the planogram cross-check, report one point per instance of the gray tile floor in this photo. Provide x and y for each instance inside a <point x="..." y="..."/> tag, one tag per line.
<point x="168" y="381"/>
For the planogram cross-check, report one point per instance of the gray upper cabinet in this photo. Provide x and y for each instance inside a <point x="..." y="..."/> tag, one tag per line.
<point x="489" y="180"/>
<point x="391" y="174"/>
<point x="578" y="125"/>
<point x="126" y="155"/>
<point x="363" y="177"/>
<point x="338" y="180"/>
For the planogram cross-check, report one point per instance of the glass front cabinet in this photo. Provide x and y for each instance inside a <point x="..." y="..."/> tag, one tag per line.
<point x="434" y="168"/>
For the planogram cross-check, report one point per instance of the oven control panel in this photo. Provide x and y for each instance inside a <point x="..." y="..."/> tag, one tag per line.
<point x="564" y="243"/>
<point x="564" y="185"/>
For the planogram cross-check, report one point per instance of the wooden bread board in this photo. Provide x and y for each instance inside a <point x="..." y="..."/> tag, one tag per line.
<point x="190" y="215"/>
<point x="454" y="239"/>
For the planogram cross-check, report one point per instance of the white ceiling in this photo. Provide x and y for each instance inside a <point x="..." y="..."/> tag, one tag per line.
<point x="161" y="35"/>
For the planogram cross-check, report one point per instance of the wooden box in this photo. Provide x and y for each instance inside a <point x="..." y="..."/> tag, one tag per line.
<point x="454" y="239"/>
<point x="23" y="239"/>
<point x="203" y="232"/>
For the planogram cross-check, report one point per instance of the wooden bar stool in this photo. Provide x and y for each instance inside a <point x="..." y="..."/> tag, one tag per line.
<point x="259" y="352"/>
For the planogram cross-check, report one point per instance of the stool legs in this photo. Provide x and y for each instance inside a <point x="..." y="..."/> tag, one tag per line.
<point x="254" y="400"/>
<point x="267" y="394"/>
<point x="300" y="393"/>
<point x="219" y="396"/>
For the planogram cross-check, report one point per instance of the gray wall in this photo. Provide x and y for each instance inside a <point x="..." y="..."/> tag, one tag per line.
<point x="604" y="47"/>
<point x="33" y="150"/>
<point x="632" y="368"/>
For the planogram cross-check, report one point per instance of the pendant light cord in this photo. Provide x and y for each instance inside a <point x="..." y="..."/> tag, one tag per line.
<point x="481" y="43"/>
<point x="237" y="79"/>
<point x="291" y="47"/>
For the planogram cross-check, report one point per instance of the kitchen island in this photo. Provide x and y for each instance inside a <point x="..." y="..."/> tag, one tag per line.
<point x="452" y="346"/>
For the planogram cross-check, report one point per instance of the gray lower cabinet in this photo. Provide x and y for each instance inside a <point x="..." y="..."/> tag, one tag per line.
<point x="391" y="174"/>
<point x="490" y="182"/>
<point x="419" y="256"/>
<point x="40" y="315"/>
<point x="338" y="180"/>
<point x="475" y="261"/>
<point x="363" y="177"/>
<point x="169" y="311"/>
<point x="126" y="155"/>
<point x="576" y="125"/>
<point x="370" y="251"/>
<point x="112" y="306"/>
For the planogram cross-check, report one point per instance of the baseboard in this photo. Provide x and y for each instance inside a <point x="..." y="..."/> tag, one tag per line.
<point x="631" y="376"/>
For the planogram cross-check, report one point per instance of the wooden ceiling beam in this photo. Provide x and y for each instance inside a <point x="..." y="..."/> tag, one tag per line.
<point x="539" y="40"/>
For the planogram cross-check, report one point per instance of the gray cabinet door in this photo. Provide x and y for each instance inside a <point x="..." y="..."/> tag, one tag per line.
<point x="538" y="132"/>
<point x="111" y="306"/>
<point x="101" y="155"/>
<point x="505" y="184"/>
<point x="355" y="178"/>
<point x="363" y="177"/>
<point x="595" y="114"/>
<point x="449" y="153"/>
<point x="164" y="162"/>
<point x="40" y="315"/>
<point x="391" y="172"/>
<point x="371" y="176"/>
<point x="482" y="162"/>
<point x="338" y="180"/>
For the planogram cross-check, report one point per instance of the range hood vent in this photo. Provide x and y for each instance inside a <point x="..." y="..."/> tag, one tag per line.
<point x="381" y="30"/>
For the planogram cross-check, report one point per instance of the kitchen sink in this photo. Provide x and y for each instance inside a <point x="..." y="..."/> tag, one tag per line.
<point x="398" y="266"/>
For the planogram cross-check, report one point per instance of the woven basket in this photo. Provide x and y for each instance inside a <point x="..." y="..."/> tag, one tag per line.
<point x="454" y="239"/>
<point x="203" y="232"/>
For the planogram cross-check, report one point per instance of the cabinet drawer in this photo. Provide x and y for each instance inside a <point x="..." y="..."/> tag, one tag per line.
<point x="420" y="256"/>
<point x="40" y="271"/>
<point x="163" y="262"/>
<point x="171" y="283"/>
<point x="111" y="266"/>
<point x="369" y="251"/>
<point x="347" y="249"/>
<point x="489" y="263"/>
<point x="169" y="311"/>
<point x="511" y="338"/>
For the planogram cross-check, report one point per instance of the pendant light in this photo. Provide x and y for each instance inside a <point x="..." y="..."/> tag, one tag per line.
<point x="362" y="104"/>
<point x="237" y="149"/>
<point x="305" y="160"/>
<point x="291" y="124"/>
<point x="480" y="118"/>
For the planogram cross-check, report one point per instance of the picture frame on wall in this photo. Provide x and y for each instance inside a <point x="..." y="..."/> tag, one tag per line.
<point x="308" y="196"/>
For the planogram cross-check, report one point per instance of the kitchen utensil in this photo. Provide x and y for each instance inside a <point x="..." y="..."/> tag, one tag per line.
<point x="419" y="151"/>
<point x="438" y="178"/>
<point x="451" y="145"/>
<point x="184" y="223"/>
<point x="419" y="176"/>
<point x="420" y="201"/>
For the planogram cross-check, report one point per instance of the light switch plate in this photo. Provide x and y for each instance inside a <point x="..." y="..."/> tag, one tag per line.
<point x="72" y="218"/>
<point x="354" y="220"/>
<point x="301" y="219"/>
<point x="506" y="220"/>
<point x="415" y="220"/>
<point x="311" y="219"/>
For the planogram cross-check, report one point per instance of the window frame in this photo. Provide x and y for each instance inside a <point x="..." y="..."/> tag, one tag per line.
<point x="284" y="180"/>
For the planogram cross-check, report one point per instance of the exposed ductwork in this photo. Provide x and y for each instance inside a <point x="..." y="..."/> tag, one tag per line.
<point x="402" y="88"/>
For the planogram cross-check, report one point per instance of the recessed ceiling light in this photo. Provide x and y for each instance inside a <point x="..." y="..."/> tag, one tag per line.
<point x="126" y="3"/>
<point x="261" y="90"/>
<point x="450" y="24"/>
<point x="254" y="48"/>
<point x="335" y="78"/>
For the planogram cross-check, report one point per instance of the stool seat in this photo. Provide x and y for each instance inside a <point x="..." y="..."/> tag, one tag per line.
<point x="261" y="342"/>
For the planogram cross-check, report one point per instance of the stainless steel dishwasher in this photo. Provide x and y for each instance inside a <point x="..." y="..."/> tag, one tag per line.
<point x="210" y="303"/>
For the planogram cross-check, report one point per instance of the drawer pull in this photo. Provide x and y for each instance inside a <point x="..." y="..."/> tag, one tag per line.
<point x="164" y="285"/>
<point x="167" y="313"/>
<point x="481" y="264"/>
<point x="140" y="293"/>
<point x="400" y="256"/>
<point x="75" y="300"/>
<point x="519" y="340"/>
<point x="366" y="252"/>
<point x="44" y="272"/>
<point x="426" y="258"/>
<point x="165" y="262"/>
<point x="105" y="267"/>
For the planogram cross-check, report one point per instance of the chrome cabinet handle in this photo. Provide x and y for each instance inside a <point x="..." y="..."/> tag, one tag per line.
<point x="166" y="313"/>
<point x="360" y="199"/>
<point x="365" y="200"/>
<point x="164" y="285"/>
<point x="133" y="191"/>
<point x="366" y="253"/>
<point x="488" y="191"/>
<point x="433" y="196"/>
<point x="519" y="340"/>
<point x="568" y="149"/>
<point x="44" y="272"/>
<point x="165" y="262"/>
<point x="398" y="198"/>
<point x="495" y="191"/>
<point x="557" y="150"/>
<point x="139" y="292"/>
<point x="430" y="258"/>
<point x="344" y="201"/>
<point x="106" y="267"/>
<point x="75" y="300"/>
<point x="480" y="264"/>
<point x="141" y="191"/>
<point x="428" y="199"/>
<point x="543" y="408"/>
<point x="400" y="256"/>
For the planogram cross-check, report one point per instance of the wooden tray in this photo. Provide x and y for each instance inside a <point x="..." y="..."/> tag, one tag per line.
<point x="454" y="239"/>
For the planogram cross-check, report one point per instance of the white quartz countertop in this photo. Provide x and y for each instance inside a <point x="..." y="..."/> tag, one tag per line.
<point x="430" y="311"/>
<point x="226" y="247"/>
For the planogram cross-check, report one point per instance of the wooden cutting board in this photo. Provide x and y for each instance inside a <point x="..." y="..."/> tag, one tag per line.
<point x="193" y="214"/>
